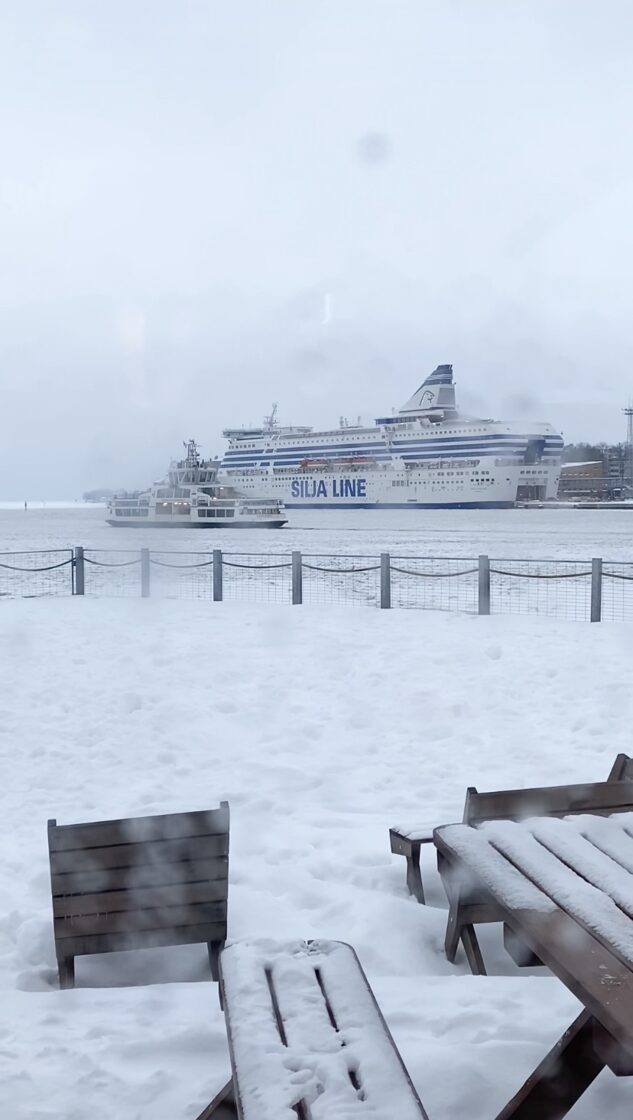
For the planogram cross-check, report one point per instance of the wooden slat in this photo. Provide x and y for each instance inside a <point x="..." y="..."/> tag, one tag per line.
<point x="143" y="939"/>
<point x="400" y="845"/>
<point x="170" y="826"/>
<point x="622" y="769"/>
<point x="596" y="976"/>
<point x="151" y="898"/>
<point x="166" y="917"/>
<point x="139" y="876"/>
<point x="132" y="855"/>
<point x="557" y="801"/>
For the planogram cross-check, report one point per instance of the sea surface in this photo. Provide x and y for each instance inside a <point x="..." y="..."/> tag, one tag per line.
<point x="519" y="534"/>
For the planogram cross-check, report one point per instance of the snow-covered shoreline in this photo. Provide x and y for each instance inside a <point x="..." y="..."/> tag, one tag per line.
<point x="321" y="727"/>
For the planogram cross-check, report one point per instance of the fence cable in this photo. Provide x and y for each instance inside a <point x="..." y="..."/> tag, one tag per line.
<point x="104" y="564"/>
<point x="48" y="568"/>
<point x="539" y="575"/>
<point x="166" y="564"/>
<point x="433" y="575"/>
<point x="254" y="567"/>
<point x="340" y="571"/>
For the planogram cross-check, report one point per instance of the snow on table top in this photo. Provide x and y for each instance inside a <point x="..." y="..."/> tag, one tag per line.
<point x="315" y="1064"/>
<point x="582" y="864"/>
<point x="415" y="832"/>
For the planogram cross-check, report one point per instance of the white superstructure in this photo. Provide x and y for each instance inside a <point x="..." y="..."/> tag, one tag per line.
<point x="425" y="455"/>
<point x="191" y="497"/>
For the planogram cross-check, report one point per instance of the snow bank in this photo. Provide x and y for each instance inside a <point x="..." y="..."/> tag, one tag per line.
<point x="322" y="728"/>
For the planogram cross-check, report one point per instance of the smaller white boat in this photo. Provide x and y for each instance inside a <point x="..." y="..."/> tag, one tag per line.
<point x="191" y="498"/>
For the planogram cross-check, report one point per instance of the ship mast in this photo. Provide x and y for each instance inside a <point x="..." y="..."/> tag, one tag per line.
<point x="270" y="422"/>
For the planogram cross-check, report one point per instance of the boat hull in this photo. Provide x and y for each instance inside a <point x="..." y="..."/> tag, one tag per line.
<point x="130" y="523"/>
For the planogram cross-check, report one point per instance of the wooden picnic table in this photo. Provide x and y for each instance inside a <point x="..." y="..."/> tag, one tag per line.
<point x="564" y="891"/>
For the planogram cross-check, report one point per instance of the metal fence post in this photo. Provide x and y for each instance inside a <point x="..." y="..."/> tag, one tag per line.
<point x="145" y="573"/>
<point x="217" y="575"/>
<point x="385" y="580"/>
<point x="596" y="589"/>
<point x="78" y="563"/>
<point x="297" y="579"/>
<point x="484" y="585"/>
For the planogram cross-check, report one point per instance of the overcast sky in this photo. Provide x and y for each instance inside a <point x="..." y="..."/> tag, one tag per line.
<point x="209" y="206"/>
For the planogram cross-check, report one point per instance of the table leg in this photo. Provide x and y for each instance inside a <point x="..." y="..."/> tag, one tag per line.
<point x="414" y="875"/>
<point x="561" y="1078"/>
<point x="222" y="1106"/>
<point x="456" y="929"/>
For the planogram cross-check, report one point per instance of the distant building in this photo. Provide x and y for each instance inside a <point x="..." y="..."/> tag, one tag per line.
<point x="591" y="481"/>
<point x="97" y="495"/>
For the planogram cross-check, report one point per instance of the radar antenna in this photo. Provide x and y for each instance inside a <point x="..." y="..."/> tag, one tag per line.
<point x="193" y="455"/>
<point x="271" y="421"/>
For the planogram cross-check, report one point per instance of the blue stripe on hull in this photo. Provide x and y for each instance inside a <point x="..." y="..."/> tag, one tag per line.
<point x="399" y="505"/>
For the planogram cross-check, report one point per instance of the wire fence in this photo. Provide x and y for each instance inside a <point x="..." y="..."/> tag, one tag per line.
<point x="617" y="592"/>
<point x="558" y="588"/>
<point x="351" y="580"/>
<point x="180" y="576"/>
<point x="587" y="590"/>
<point x="434" y="583"/>
<point x="111" y="571"/>
<point x="32" y="574"/>
<point x="253" y="578"/>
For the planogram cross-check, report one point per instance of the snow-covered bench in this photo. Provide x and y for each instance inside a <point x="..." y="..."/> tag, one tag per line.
<point x="408" y="841"/>
<point x="137" y="883"/>
<point x="306" y="1037"/>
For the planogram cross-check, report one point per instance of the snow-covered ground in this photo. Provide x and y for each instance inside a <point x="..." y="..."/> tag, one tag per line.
<point x="321" y="727"/>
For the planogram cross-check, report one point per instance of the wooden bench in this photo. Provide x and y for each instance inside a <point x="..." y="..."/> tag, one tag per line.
<point x="303" y="1026"/>
<point x="138" y="883"/>
<point x="408" y="842"/>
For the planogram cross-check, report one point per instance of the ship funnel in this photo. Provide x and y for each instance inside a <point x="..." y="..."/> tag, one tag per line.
<point x="437" y="393"/>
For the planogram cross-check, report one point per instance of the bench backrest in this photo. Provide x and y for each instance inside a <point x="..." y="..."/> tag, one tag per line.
<point x="159" y="880"/>
<point x="552" y="801"/>
<point x="622" y="769"/>
<point x="302" y="1023"/>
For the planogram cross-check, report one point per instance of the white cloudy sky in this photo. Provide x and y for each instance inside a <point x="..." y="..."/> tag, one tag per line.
<point x="207" y="206"/>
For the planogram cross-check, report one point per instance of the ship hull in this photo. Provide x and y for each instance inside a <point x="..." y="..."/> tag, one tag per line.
<point x="401" y="505"/>
<point x="451" y="485"/>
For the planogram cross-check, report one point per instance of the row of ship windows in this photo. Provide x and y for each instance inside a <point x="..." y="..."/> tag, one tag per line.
<point x="216" y="513"/>
<point x="363" y="436"/>
<point x="123" y="512"/>
<point x="432" y="482"/>
<point x="450" y="474"/>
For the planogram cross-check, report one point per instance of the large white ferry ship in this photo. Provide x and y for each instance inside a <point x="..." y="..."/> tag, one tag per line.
<point x="427" y="455"/>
